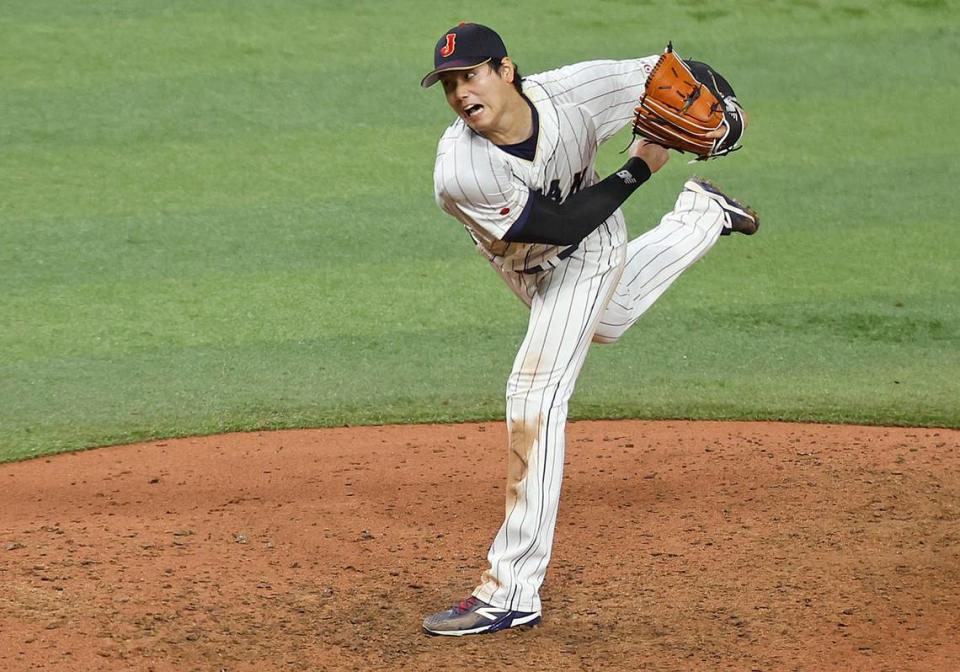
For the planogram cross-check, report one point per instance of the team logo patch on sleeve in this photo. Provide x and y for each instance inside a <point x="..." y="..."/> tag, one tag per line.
<point x="450" y="46"/>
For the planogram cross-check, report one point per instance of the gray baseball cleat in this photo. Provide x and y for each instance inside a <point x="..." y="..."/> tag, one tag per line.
<point x="740" y="218"/>
<point x="473" y="617"/>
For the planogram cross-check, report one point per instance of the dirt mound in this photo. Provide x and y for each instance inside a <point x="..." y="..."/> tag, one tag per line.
<point x="679" y="546"/>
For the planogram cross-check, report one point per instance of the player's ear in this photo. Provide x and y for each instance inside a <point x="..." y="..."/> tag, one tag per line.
<point x="508" y="71"/>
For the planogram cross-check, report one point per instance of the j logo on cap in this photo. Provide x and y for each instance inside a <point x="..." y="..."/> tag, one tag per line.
<point x="449" y="47"/>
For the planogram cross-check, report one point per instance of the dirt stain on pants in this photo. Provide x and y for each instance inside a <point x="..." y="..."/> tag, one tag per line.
<point x="523" y="438"/>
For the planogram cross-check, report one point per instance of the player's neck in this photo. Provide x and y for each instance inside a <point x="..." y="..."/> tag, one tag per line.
<point x="516" y="123"/>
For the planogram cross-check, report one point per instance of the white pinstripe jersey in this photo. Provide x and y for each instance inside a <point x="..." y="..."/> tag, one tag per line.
<point x="485" y="188"/>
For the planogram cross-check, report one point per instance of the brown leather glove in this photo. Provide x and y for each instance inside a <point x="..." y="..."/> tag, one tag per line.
<point x="688" y="107"/>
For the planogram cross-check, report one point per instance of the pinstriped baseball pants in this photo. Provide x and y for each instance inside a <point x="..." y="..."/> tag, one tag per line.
<point x="593" y="295"/>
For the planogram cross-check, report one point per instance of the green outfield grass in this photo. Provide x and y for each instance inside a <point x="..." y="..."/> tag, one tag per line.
<point x="219" y="216"/>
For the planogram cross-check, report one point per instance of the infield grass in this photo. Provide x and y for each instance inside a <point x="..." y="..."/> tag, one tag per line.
<point x="219" y="216"/>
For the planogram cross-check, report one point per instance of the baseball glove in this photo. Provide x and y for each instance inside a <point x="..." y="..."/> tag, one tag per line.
<point x="688" y="107"/>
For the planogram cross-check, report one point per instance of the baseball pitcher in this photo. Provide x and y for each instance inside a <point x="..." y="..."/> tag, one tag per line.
<point x="517" y="169"/>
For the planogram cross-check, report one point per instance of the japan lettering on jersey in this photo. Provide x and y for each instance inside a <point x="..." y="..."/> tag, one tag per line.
<point x="579" y="106"/>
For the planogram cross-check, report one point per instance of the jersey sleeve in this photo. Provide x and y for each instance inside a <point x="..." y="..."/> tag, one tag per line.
<point x="479" y="191"/>
<point x="608" y="90"/>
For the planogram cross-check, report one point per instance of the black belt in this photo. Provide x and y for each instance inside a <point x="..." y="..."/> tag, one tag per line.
<point x="560" y="257"/>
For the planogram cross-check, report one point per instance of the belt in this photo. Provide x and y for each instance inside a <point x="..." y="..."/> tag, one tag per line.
<point x="560" y="257"/>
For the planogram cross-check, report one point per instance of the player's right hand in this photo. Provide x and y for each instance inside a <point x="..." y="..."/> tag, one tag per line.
<point x="652" y="154"/>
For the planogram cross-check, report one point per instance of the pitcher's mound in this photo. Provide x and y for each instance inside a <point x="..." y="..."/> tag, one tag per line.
<point x="679" y="546"/>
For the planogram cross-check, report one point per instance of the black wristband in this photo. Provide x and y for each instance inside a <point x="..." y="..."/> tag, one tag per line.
<point x="638" y="168"/>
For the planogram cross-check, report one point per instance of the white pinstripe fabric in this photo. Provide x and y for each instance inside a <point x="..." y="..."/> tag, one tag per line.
<point x="595" y="294"/>
<point x="658" y="257"/>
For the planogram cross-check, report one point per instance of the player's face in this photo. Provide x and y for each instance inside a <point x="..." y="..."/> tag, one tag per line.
<point x="479" y="96"/>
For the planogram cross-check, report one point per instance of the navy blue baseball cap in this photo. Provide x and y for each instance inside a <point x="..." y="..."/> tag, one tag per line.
<point x="464" y="47"/>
